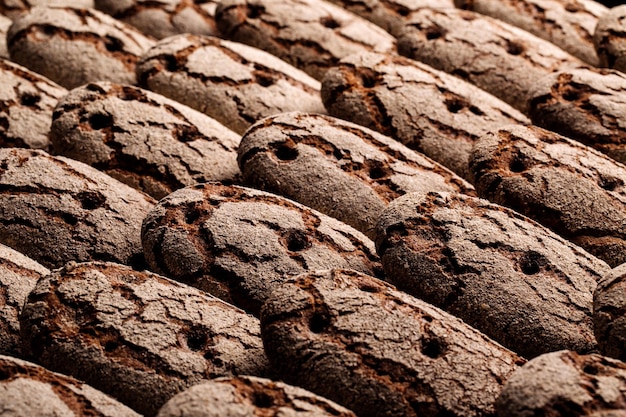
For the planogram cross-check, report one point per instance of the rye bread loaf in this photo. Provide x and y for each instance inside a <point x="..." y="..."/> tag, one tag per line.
<point x="137" y="336"/>
<point x="143" y="139"/>
<point x="161" y="18"/>
<point x="5" y="24"/>
<point x="238" y="243"/>
<point x="27" y="100"/>
<point x="56" y="210"/>
<point x="27" y="389"/>
<point x="390" y="15"/>
<point x="249" y="396"/>
<point x="18" y="276"/>
<point x="343" y="170"/>
<point x="312" y="35"/>
<point x="378" y="351"/>
<point x="610" y="38"/>
<point x="14" y="8"/>
<point x="426" y="109"/>
<point x="498" y="271"/>
<point x="499" y="58"/>
<point x="565" y="384"/>
<point x="569" y="24"/>
<point x="208" y="6"/>
<point x="609" y="313"/>
<point x="76" y="46"/>
<point x="570" y="188"/>
<point x="231" y="82"/>
<point x="587" y="106"/>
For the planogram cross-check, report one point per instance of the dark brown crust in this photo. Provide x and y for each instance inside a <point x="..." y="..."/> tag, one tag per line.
<point x="569" y="188"/>
<point x="239" y="243"/>
<point x="568" y="24"/>
<point x="500" y="272"/>
<point x="143" y="139"/>
<point x="610" y="39"/>
<point x="245" y="395"/>
<point x="135" y="335"/>
<point x="311" y="35"/>
<point x="565" y="384"/>
<point x="427" y="110"/>
<point x="390" y="15"/>
<point x="497" y="57"/>
<point x="341" y="169"/>
<point x="95" y="46"/>
<point x="26" y="105"/>
<point x="609" y="313"/>
<point x="162" y="18"/>
<point x="378" y="351"/>
<point x="78" y="398"/>
<point x="72" y="213"/>
<point x="247" y="85"/>
<point x="584" y="105"/>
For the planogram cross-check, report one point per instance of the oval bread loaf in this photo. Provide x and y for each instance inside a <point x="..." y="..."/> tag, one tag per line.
<point x="143" y="139"/>
<point x="390" y="15"/>
<point x="609" y="318"/>
<point x="610" y="38"/>
<point x="495" y="56"/>
<point x="27" y="389"/>
<point x="565" y="384"/>
<point x="425" y="109"/>
<point x="161" y="18"/>
<point x="27" y="100"/>
<point x="341" y="169"/>
<point x="312" y="35"/>
<point x="231" y="82"/>
<point x="18" y="276"/>
<point x="238" y="243"/>
<point x="137" y="336"/>
<point x="378" y="351"/>
<point x="569" y="25"/>
<point x="76" y="46"/>
<point x="249" y="396"/>
<point x="587" y="106"/>
<point x="14" y="8"/>
<point x="570" y="188"/>
<point x="500" y="272"/>
<point x="56" y="210"/>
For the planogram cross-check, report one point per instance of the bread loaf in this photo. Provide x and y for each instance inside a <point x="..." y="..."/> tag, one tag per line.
<point x="500" y="272"/>
<point x="143" y="139"/>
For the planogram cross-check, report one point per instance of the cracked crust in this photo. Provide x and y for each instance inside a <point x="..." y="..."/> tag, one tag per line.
<point x="250" y="396"/>
<point x="569" y="24"/>
<point x="312" y="35"/>
<point x="495" y="56"/>
<point x="339" y="168"/>
<point x="427" y="110"/>
<point x="565" y="384"/>
<point x="584" y="105"/>
<point x="570" y="188"/>
<point x="390" y="15"/>
<point x="498" y="271"/>
<point x="137" y="336"/>
<point x="244" y="86"/>
<point x="18" y="276"/>
<point x="378" y="351"/>
<point x="610" y="38"/>
<point x="76" y="46"/>
<point x="143" y="139"/>
<point x="27" y="389"/>
<point x="238" y="243"/>
<point x="161" y="18"/>
<point x="13" y="9"/>
<point x="609" y="313"/>
<point x="56" y="210"/>
<point x="27" y="100"/>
